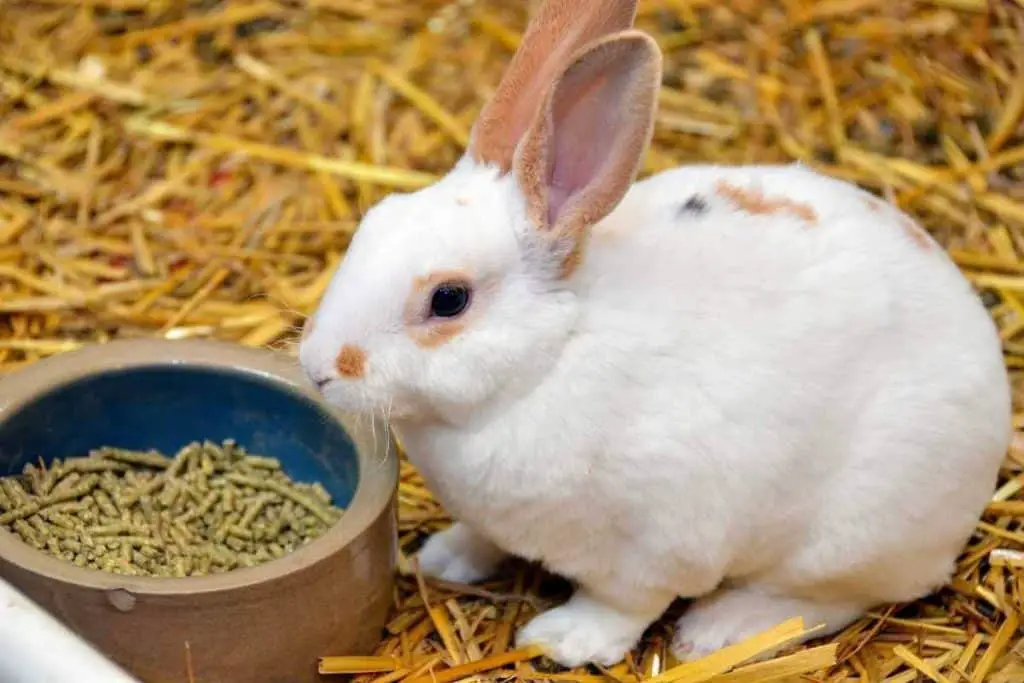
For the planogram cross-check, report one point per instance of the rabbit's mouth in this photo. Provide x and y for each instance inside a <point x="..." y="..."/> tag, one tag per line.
<point x="341" y="394"/>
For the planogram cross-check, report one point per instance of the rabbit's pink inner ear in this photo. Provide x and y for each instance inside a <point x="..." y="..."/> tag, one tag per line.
<point x="559" y="29"/>
<point x="584" y="149"/>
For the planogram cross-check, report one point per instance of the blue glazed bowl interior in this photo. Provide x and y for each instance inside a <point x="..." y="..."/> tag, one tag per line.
<point x="167" y="407"/>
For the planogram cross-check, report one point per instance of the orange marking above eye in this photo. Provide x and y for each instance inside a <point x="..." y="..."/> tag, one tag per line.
<point x="755" y="202"/>
<point x="351" y="362"/>
<point x="424" y="283"/>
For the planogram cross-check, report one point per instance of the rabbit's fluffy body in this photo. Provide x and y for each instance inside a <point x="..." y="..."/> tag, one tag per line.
<point x="761" y="387"/>
<point x="809" y="409"/>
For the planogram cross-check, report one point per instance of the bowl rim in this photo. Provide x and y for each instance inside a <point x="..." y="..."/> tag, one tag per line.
<point x="375" y="446"/>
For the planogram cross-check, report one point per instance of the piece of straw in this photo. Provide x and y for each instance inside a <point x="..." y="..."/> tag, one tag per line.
<point x="357" y="665"/>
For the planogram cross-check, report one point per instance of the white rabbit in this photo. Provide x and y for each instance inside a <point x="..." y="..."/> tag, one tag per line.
<point x="759" y="387"/>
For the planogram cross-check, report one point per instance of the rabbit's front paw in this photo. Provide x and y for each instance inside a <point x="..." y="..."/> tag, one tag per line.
<point x="583" y="631"/>
<point x="460" y="556"/>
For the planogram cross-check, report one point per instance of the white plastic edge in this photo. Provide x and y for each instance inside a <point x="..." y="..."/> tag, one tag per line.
<point x="36" y="648"/>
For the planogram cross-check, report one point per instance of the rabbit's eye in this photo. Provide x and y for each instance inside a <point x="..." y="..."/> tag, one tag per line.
<point x="449" y="300"/>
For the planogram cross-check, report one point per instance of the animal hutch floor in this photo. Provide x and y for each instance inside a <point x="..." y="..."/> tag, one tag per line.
<point x="195" y="169"/>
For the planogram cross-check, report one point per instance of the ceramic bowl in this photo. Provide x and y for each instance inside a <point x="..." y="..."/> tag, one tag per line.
<point x="264" y="624"/>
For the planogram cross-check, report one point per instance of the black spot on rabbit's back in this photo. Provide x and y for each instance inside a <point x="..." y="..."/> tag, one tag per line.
<point x="694" y="206"/>
<point x="989" y="298"/>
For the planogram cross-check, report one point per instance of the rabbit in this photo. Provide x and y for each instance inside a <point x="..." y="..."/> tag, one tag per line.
<point x="759" y="389"/>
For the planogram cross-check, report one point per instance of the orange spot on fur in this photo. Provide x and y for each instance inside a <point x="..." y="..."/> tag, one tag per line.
<point x="912" y="229"/>
<point x="873" y="205"/>
<point x="430" y="334"/>
<point x="351" y="361"/>
<point x="755" y="202"/>
<point x="572" y="260"/>
<point x="916" y="233"/>
<point x="427" y="283"/>
<point x="435" y="334"/>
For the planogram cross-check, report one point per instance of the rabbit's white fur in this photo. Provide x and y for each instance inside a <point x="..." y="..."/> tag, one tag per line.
<point x="814" y="414"/>
<point x="762" y="387"/>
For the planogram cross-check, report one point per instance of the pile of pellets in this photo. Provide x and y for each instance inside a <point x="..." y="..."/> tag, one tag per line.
<point x="209" y="509"/>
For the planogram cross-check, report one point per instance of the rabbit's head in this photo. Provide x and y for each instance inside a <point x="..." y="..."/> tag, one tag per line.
<point x="456" y="292"/>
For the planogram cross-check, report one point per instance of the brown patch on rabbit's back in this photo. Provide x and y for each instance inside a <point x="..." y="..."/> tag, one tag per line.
<point x="916" y="233"/>
<point x="874" y="205"/>
<point x="351" y="361"/>
<point x="755" y="202"/>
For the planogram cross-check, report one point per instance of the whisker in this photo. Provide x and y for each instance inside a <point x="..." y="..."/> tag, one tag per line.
<point x="373" y="429"/>
<point x="387" y="424"/>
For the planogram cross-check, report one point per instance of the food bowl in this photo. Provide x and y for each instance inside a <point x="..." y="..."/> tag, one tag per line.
<point x="262" y="624"/>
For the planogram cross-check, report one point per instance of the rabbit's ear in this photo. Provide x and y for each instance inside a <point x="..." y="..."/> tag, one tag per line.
<point x="584" y="148"/>
<point x="559" y="29"/>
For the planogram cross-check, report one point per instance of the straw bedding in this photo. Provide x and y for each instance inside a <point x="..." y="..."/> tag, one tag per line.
<point x="195" y="169"/>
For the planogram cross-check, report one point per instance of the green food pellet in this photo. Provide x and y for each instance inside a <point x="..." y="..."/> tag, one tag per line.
<point x="209" y="508"/>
